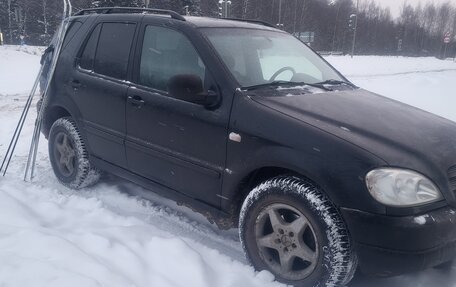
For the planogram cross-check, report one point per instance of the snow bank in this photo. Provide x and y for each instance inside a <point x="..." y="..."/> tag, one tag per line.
<point x="368" y="66"/>
<point x="53" y="237"/>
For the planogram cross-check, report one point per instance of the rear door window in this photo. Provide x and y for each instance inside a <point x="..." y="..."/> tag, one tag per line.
<point x="108" y="49"/>
<point x="113" y="49"/>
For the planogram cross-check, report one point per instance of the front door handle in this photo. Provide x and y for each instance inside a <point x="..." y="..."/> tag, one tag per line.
<point x="136" y="101"/>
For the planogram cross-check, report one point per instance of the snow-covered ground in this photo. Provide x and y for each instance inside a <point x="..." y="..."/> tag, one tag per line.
<point x="109" y="236"/>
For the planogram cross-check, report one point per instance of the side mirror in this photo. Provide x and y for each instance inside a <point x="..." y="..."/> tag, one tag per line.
<point x="190" y="88"/>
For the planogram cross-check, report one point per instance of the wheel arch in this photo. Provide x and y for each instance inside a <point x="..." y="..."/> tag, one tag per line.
<point x="257" y="176"/>
<point x="53" y="114"/>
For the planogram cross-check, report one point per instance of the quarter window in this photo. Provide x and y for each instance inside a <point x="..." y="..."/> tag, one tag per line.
<point x="87" y="57"/>
<point x="165" y="54"/>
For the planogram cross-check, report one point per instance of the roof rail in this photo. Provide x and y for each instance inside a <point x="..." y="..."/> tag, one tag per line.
<point x="116" y="10"/>
<point x="264" y="23"/>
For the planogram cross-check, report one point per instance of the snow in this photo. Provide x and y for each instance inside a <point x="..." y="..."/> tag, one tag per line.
<point x="368" y="66"/>
<point x="108" y="235"/>
<point x="421" y="220"/>
<point x="18" y="69"/>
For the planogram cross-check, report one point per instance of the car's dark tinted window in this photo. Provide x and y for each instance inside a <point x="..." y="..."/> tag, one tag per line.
<point x="167" y="53"/>
<point x="113" y="51"/>
<point x="86" y="61"/>
<point x="72" y="30"/>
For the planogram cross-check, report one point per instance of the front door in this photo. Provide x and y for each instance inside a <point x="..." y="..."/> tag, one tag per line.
<point x="170" y="141"/>
<point x="100" y="89"/>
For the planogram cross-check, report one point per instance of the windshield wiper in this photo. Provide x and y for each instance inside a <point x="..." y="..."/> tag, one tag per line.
<point x="285" y="83"/>
<point x="270" y="84"/>
<point x="333" y="82"/>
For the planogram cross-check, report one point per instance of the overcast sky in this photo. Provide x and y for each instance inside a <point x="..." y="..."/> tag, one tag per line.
<point x="395" y="5"/>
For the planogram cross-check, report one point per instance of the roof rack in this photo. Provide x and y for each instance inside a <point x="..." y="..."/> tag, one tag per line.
<point x="264" y="23"/>
<point x="116" y="10"/>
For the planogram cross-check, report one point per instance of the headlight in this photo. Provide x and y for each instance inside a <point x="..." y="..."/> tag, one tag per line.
<point x="401" y="188"/>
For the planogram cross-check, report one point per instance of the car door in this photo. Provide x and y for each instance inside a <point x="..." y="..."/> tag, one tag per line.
<point x="175" y="143"/>
<point x="100" y="89"/>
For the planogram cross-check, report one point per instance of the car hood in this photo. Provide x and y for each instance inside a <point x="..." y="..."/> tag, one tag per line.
<point x="396" y="132"/>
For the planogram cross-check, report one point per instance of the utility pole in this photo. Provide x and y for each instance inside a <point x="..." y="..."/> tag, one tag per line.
<point x="147" y="3"/>
<point x="356" y="29"/>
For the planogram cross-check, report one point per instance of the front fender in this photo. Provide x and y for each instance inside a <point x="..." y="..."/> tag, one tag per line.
<point x="272" y="139"/>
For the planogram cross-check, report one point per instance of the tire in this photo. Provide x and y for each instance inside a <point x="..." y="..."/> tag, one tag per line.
<point x="69" y="157"/>
<point x="290" y="228"/>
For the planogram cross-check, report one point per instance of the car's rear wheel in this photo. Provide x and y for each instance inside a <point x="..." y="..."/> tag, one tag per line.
<point x="69" y="157"/>
<point x="289" y="227"/>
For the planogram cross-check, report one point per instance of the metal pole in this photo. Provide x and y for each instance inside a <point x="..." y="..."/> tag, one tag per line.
<point x="30" y="167"/>
<point x="280" y="13"/>
<point x="20" y="125"/>
<point x="335" y="28"/>
<point x="356" y="29"/>
<point x="445" y="51"/>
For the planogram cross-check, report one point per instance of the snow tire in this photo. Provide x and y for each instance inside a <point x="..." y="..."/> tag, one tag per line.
<point x="336" y="263"/>
<point x="65" y="138"/>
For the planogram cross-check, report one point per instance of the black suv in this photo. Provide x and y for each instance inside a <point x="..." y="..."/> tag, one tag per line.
<point x="247" y="125"/>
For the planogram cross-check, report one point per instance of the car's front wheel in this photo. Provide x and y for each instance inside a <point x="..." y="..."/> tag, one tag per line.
<point x="69" y="157"/>
<point x="289" y="227"/>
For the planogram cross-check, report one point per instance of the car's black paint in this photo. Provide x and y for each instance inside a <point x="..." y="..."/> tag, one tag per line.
<point x="183" y="150"/>
<point x="389" y="246"/>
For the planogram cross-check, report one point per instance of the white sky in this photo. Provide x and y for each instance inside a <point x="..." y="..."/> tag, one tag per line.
<point x="395" y="5"/>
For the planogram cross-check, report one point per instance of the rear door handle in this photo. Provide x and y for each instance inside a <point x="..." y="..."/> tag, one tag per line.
<point x="76" y="84"/>
<point x="136" y="101"/>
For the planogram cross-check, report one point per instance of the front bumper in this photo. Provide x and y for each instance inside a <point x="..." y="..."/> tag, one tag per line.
<point x="389" y="246"/>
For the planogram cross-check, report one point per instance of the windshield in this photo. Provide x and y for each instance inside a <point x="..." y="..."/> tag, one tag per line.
<point x="258" y="57"/>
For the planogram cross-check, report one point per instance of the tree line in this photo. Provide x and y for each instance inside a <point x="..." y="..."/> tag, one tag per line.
<point x="418" y="31"/>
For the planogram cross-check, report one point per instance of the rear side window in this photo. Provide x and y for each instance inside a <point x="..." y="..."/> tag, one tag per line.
<point x="108" y="49"/>
<point x="113" y="51"/>
<point x="87" y="57"/>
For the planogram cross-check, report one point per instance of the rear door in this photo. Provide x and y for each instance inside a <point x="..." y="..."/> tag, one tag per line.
<point x="170" y="141"/>
<point x="100" y="88"/>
